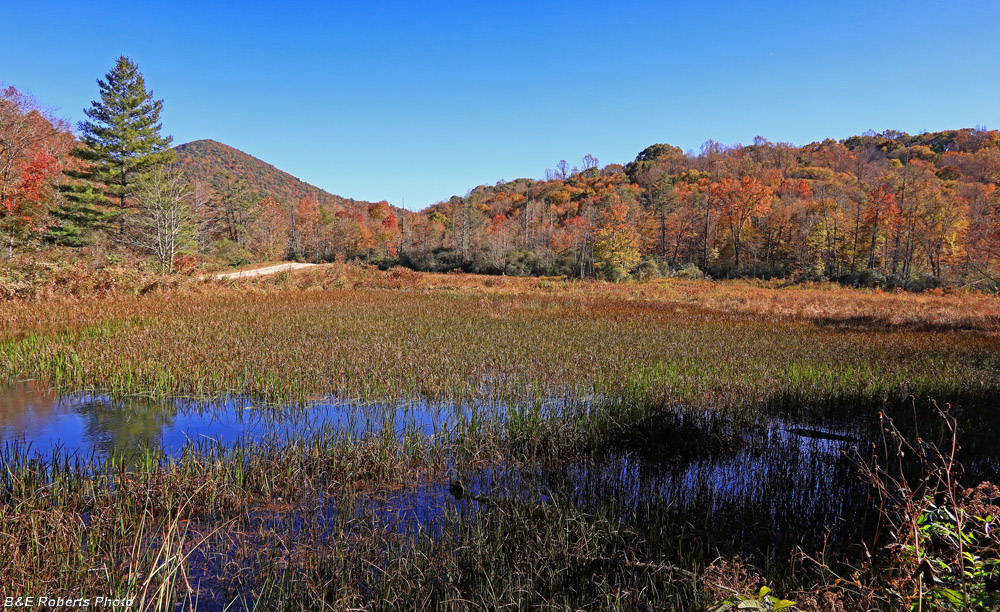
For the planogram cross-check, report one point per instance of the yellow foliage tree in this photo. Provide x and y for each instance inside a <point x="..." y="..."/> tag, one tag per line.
<point x="616" y="244"/>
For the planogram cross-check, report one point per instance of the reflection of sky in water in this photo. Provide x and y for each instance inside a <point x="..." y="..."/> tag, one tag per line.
<point x="750" y="484"/>
<point x="744" y="482"/>
<point x="85" y="424"/>
<point x="44" y="428"/>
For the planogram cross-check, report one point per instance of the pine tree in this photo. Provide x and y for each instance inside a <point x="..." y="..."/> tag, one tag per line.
<point x="120" y="141"/>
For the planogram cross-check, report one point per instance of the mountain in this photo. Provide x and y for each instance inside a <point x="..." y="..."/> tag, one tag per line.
<point x="209" y="161"/>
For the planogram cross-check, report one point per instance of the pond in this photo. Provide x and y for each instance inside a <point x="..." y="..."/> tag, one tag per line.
<point x="742" y="481"/>
<point x="689" y="483"/>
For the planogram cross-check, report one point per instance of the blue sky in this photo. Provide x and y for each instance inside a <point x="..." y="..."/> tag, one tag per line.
<point x="425" y="100"/>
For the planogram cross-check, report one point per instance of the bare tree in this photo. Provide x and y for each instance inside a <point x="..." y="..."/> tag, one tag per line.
<point x="562" y="169"/>
<point x="231" y="211"/>
<point x="162" y="223"/>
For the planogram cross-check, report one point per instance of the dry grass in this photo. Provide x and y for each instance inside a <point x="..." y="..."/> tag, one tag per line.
<point x="93" y="276"/>
<point x="824" y="303"/>
<point x="554" y="366"/>
<point x="359" y="333"/>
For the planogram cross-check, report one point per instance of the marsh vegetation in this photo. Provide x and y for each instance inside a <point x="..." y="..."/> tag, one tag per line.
<point x="345" y="438"/>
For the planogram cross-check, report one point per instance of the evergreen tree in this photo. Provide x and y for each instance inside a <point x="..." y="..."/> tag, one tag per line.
<point x="79" y="212"/>
<point x="119" y="142"/>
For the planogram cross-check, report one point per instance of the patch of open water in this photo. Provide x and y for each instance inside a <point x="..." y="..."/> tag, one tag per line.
<point x="770" y="481"/>
<point x="92" y="424"/>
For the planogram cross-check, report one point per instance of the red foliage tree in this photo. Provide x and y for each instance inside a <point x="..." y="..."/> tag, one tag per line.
<point x="32" y="142"/>
<point x="739" y="201"/>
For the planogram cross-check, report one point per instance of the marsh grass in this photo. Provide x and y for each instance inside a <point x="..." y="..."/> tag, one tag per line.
<point x="614" y="440"/>
<point x="378" y="345"/>
<point x="131" y="525"/>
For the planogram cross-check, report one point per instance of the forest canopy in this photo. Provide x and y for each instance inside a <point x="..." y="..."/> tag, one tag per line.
<point x="876" y="209"/>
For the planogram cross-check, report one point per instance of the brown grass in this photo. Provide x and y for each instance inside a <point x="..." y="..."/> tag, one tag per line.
<point x="88" y="275"/>
<point x="824" y="303"/>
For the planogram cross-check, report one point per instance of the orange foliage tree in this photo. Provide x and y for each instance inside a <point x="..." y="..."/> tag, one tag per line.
<point x="880" y="212"/>
<point x="32" y="143"/>
<point x="385" y="228"/>
<point x="739" y="201"/>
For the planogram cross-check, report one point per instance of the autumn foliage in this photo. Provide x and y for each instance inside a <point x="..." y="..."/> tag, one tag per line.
<point x="888" y="209"/>
<point x="880" y="209"/>
<point x="32" y="143"/>
<point x="616" y="244"/>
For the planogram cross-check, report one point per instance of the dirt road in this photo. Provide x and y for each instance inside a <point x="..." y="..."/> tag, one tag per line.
<point x="263" y="271"/>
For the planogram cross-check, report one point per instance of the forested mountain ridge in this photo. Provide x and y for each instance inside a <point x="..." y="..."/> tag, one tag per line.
<point x="249" y="209"/>
<point x="210" y="161"/>
<point x="880" y="209"/>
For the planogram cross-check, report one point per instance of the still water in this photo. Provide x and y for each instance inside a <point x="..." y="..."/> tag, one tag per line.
<point x="772" y="480"/>
<point x="96" y="425"/>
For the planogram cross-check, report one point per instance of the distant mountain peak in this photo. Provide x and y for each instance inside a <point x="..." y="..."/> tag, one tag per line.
<point x="209" y="160"/>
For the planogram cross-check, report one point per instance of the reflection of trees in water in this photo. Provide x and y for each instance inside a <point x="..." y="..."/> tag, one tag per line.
<point x="25" y="403"/>
<point x="740" y="485"/>
<point x="124" y="426"/>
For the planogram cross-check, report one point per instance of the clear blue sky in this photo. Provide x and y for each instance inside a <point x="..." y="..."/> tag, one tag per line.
<point x="422" y="101"/>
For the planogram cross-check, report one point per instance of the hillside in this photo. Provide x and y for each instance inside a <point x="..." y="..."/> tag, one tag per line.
<point x="208" y="161"/>
<point x="886" y="209"/>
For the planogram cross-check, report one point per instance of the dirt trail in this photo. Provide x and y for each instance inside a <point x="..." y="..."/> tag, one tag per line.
<point x="263" y="271"/>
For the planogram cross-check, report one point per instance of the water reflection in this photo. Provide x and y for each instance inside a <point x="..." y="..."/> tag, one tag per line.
<point x="767" y="479"/>
<point x="725" y="486"/>
<point x="35" y="416"/>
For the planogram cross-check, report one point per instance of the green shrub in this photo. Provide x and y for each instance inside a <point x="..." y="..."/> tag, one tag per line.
<point x="232" y="253"/>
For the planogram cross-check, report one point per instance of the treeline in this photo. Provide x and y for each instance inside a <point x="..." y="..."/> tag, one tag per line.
<point x="889" y="209"/>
